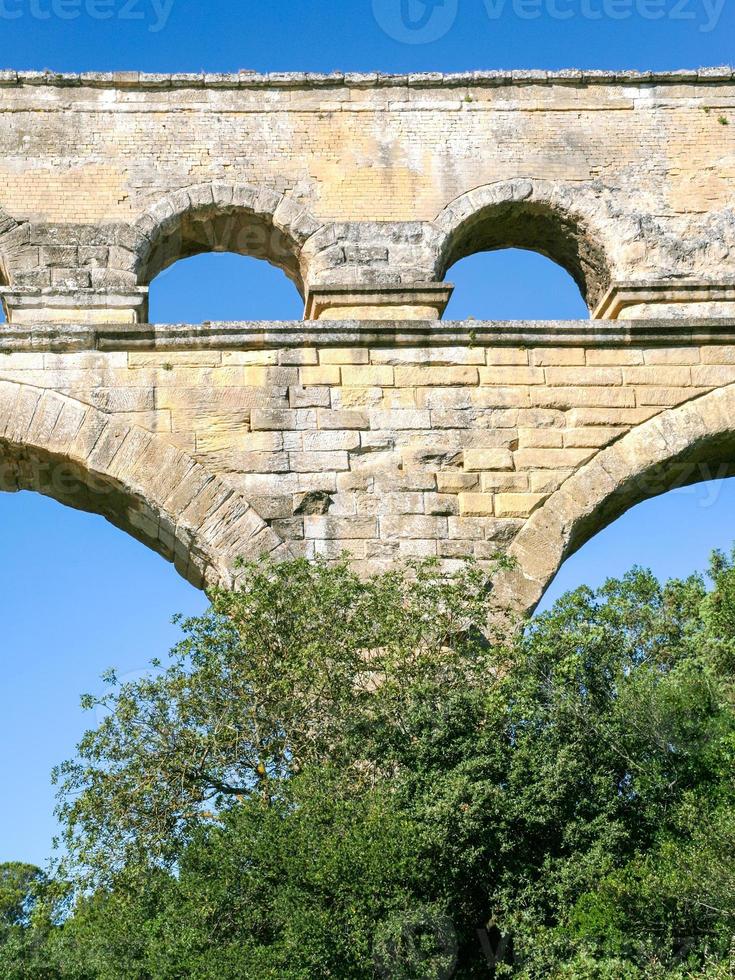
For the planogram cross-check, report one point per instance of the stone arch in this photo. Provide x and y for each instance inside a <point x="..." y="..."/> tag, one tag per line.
<point x="557" y="221"/>
<point x="213" y="217"/>
<point x="80" y="456"/>
<point x="680" y="446"/>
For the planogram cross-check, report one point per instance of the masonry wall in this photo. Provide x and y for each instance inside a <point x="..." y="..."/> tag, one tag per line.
<point x="387" y="452"/>
<point x="373" y="181"/>
<point x="395" y="149"/>
<point x="374" y="427"/>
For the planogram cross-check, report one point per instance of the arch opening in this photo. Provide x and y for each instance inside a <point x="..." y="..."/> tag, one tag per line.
<point x="702" y="513"/>
<point x="238" y="218"/>
<point x="65" y="480"/>
<point x="222" y="230"/>
<point x="513" y="284"/>
<point x="159" y="494"/>
<point x="222" y="286"/>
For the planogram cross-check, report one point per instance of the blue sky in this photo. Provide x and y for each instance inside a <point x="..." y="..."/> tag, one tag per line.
<point x="77" y="595"/>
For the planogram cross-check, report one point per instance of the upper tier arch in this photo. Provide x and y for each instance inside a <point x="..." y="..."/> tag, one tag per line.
<point x="216" y="217"/>
<point x="555" y="220"/>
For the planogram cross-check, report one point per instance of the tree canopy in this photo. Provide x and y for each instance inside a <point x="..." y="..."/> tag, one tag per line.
<point x="338" y="778"/>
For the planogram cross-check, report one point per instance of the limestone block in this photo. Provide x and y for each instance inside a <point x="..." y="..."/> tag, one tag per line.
<point x="367" y="375"/>
<point x="340" y="527"/>
<point x="511" y="375"/>
<point x="517" y="504"/>
<point x="344" y="355"/>
<point x="476" y="504"/>
<point x="318" y="397"/>
<point x="342" y="420"/>
<point x="433" y="376"/>
<point x="413" y="526"/>
<point x="322" y="375"/>
<point x="487" y="459"/>
<point x="545" y="459"/>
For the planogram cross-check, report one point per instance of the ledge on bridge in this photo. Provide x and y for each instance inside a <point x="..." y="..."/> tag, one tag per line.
<point x="276" y="334"/>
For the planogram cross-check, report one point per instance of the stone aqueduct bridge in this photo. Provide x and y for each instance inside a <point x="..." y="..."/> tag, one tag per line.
<point x="371" y="426"/>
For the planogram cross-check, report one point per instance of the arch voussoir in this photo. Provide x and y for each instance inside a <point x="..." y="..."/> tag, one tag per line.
<point x="243" y="218"/>
<point x="569" y="224"/>
<point x="666" y="451"/>
<point x="71" y="451"/>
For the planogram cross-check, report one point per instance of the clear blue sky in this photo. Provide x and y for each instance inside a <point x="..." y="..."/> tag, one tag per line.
<point x="77" y="595"/>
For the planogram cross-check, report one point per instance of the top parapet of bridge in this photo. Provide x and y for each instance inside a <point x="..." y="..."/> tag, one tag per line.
<point x="300" y="80"/>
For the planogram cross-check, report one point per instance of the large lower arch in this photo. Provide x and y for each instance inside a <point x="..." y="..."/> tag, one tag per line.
<point x="559" y="222"/>
<point x="213" y="217"/>
<point x="680" y="446"/>
<point x="81" y="457"/>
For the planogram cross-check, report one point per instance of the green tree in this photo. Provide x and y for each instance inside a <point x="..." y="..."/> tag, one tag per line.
<point x="336" y="778"/>
<point x="18" y="893"/>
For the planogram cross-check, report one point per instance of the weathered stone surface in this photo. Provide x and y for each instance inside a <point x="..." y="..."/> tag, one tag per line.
<point x="364" y="225"/>
<point x="174" y="446"/>
<point x="374" y="428"/>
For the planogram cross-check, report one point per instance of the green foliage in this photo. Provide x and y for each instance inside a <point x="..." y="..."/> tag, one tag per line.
<point x="336" y="778"/>
<point x="307" y="666"/>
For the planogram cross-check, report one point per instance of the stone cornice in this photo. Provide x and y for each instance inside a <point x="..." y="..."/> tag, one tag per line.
<point x="308" y="80"/>
<point x="259" y="335"/>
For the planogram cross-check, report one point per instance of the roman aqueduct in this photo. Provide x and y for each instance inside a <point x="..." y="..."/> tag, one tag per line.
<point x="372" y="425"/>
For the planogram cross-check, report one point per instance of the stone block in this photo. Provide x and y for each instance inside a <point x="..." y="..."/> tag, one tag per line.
<point x="347" y="528"/>
<point x="476" y="504"/>
<point x="506" y="355"/>
<point x="344" y="355"/>
<point x="660" y="375"/>
<point x="367" y="375"/>
<point x="517" y="504"/>
<point x="589" y="397"/>
<point x="342" y="420"/>
<point x="487" y="459"/>
<point x="456" y="482"/>
<point x="300" y="357"/>
<point x="613" y="356"/>
<point x="671" y="355"/>
<point x="318" y="462"/>
<point x="308" y="397"/>
<point x="441" y="504"/>
<point x="413" y="526"/>
<point x="328" y="440"/>
<point x="546" y="459"/>
<point x="322" y="375"/>
<point x="558" y="356"/>
<point x="428" y="355"/>
<point x="267" y="420"/>
<point x="495" y="482"/>
<point x="418" y="377"/>
<point x="582" y="376"/>
<point x="546" y="438"/>
<point x="511" y="375"/>
<point x="399" y="419"/>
